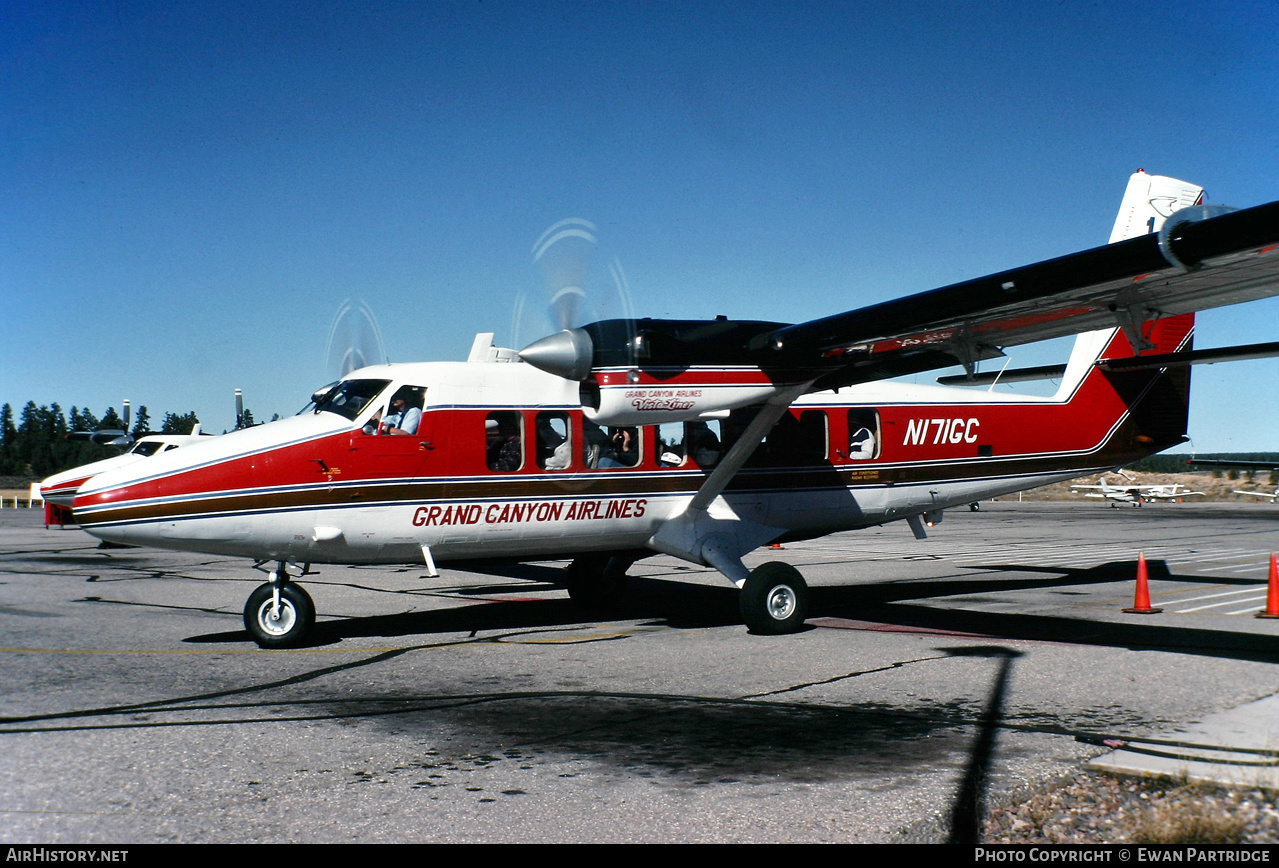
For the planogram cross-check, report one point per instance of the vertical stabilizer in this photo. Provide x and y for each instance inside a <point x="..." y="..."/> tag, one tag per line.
<point x="1149" y="201"/>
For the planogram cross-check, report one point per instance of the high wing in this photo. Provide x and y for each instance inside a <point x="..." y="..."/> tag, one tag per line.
<point x="1191" y="265"/>
<point x="1202" y="258"/>
<point x="104" y="437"/>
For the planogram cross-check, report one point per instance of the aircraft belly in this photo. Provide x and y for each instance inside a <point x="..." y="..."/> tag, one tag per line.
<point x="831" y="509"/>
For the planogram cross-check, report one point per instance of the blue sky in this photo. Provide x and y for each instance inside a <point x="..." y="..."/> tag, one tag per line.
<point x="189" y="191"/>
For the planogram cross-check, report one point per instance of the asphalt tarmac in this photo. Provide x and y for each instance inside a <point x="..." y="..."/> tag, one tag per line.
<point x="936" y="678"/>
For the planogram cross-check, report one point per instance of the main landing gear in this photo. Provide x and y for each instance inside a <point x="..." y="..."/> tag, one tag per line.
<point x="279" y="614"/>
<point x="596" y="581"/>
<point x="774" y="599"/>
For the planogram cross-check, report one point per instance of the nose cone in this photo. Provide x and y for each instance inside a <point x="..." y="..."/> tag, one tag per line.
<point x="566" y="354"/>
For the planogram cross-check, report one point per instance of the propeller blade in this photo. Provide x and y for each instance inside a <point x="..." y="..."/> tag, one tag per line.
<point x="355" y="341"/>
<point x="581" y="285"/>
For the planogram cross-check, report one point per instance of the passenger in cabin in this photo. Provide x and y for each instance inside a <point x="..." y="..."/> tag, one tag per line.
<point x="861" y="445"/>
<point x="405" y="415"/>
<point x="704" y="446"/>
<point x="668" y="444"/>
<point x="862" y="440"/>
<point x="503" y="449"/>
<point x="553" y="447"/>
<point x="623" y="449"/>
<point x="669" y="456"/>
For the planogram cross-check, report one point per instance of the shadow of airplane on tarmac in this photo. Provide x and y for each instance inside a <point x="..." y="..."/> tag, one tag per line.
<point x="681" y="605"/>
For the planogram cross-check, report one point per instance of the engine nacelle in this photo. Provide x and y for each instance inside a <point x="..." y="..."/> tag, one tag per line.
<point x="666" y="371"/>
<point x="686" y="397"/>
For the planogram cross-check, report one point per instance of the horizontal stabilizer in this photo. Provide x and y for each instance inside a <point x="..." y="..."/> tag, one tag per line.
<point x="106" y="437"/>
<point x="1192" y="357"/>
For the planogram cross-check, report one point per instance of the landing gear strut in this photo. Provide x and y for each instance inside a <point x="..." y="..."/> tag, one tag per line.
<point x="596" y="581"/>
<point x="279" y="614"/>
<point x="774" y="599"/>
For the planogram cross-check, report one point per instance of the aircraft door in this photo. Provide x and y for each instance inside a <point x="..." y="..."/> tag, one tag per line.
<point x="399" y="440"/>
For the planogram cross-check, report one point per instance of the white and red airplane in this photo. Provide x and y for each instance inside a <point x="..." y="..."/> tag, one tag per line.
<point x="707" y="439"/>
<point x="59" y="490"/>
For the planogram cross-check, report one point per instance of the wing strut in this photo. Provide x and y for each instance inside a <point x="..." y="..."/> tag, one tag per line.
<point x="710" y="533"/>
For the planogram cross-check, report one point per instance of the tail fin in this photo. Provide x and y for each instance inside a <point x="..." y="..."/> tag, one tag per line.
<point x="1149" y="201"/>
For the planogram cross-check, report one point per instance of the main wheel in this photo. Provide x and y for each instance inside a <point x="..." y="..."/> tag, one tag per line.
<point x="595" y="582"/>
<point x="289" y="626"/>
<point x="774" y="599"/>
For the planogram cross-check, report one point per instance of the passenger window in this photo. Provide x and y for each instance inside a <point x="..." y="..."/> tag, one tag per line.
<point x="668" y="445"/>
<point x="554" y="451"/>
<point x="705" y="442"/>
<point x="793" y="441"/>
<point x="814" y="437"/>
<point x="616" y="447"/>
<point x="863" y="435"/>
<point x="504" y="441"/>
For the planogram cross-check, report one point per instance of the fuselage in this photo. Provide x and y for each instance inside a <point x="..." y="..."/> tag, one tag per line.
<point x="505" y="464"/>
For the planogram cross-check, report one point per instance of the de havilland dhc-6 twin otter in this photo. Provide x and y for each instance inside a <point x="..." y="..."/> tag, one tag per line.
<point x="705" y="440"/>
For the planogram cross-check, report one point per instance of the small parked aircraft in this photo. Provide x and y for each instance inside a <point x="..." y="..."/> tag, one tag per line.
<point x="707" y="439"/>
<point x="59" y="490"/>
<point x="1135" y="494"/>
<point x="1273" y="496"/>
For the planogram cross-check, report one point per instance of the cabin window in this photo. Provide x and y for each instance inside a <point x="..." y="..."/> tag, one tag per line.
<point x="554" y="449"/>
<point x="705" y="442"/>
<point x="668" y="445"/>
<point x="794" y="440"/>
<point x="863" y="435"/>
<point x="610" y="448"/>
<point x="504" y="441"/>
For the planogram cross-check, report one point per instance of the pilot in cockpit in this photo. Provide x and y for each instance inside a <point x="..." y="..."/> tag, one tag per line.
<point x="405" y="415"/>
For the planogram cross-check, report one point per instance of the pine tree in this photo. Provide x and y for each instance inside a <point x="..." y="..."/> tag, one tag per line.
<point x="142" y="426"/>
<point x="174" y="424"/>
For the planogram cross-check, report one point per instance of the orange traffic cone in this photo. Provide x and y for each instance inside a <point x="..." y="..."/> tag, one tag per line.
<point x="1141" y="603"/>
<point x="1272" y="591"/>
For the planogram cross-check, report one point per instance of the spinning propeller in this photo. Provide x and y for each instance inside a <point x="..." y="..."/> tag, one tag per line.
<point x="581" y="285"/>
<point x="355" y="341"/>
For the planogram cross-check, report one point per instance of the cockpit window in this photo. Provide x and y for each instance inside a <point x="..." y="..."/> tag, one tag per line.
<point x="350" y="397"/>
<point x="146" y="447"/>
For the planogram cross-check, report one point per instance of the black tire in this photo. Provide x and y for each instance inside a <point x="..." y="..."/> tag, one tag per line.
<point x="774" y="600"/>
<point x="596" y="582"/>
<point x="297" y="617"/>
<point x="974" y="506"/>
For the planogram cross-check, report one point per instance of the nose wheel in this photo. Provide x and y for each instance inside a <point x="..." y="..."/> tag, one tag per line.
<point x="282" y="620"/>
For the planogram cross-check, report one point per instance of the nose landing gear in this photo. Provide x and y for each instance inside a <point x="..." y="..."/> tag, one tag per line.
<point x="279" y="614"/>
